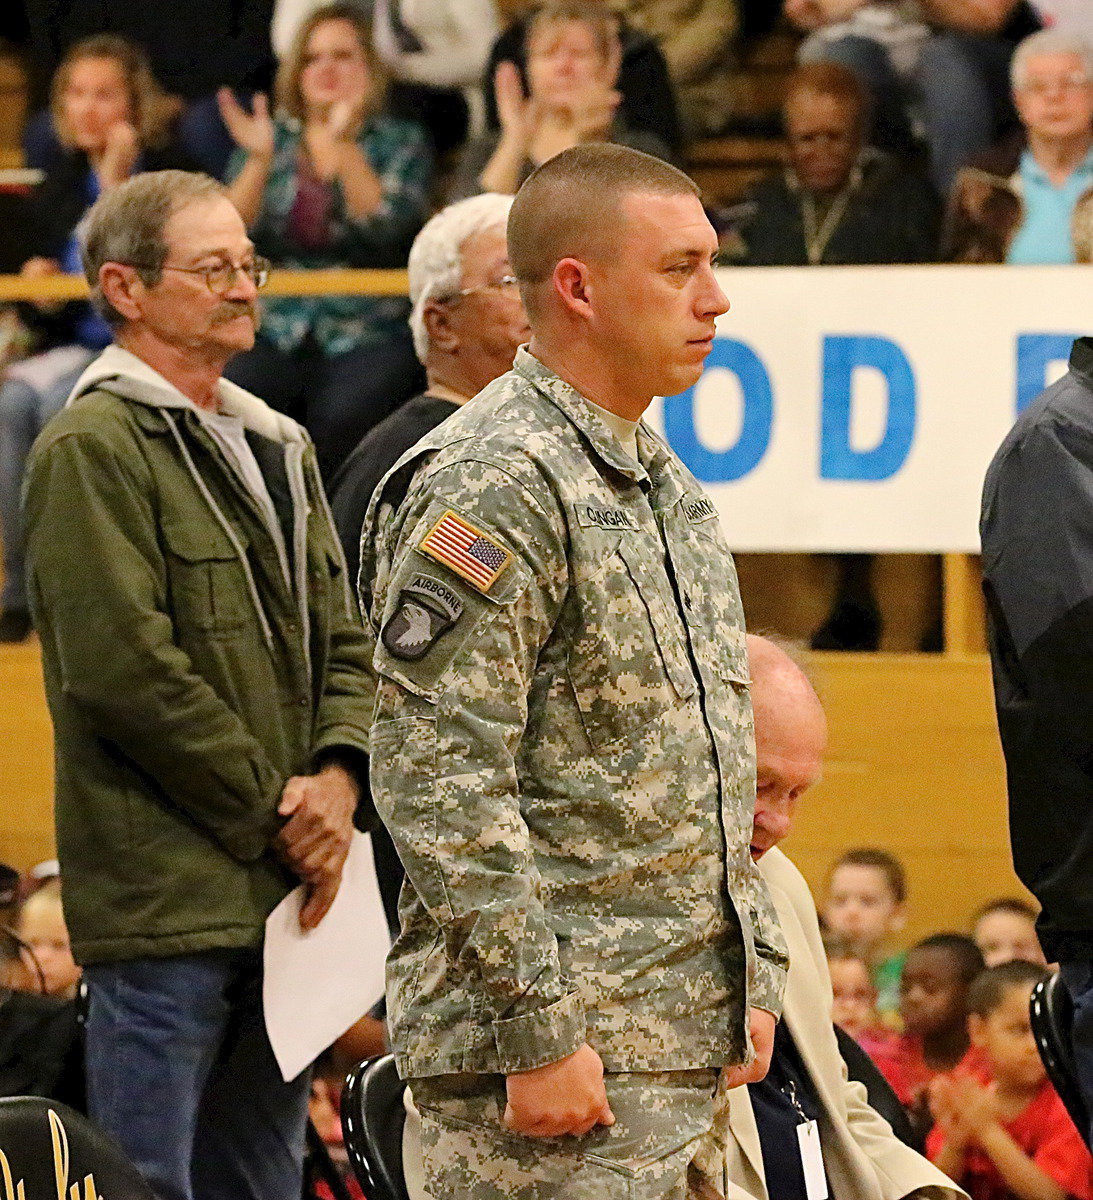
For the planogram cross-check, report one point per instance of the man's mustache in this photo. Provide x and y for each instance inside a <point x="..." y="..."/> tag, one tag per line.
<point x="231" y="310"/>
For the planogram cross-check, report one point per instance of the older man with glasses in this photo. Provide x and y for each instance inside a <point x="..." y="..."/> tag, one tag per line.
<point x="206" y="675"/>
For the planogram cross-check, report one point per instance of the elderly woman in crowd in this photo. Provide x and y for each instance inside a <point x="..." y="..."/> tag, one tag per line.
<point x="331" y="182"/>
<point x="1016" y="202"/>
<point x="111" y="120"/>
<point x="572" y="62"/>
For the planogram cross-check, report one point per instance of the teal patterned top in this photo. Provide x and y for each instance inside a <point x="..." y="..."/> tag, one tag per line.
<point x="401" y="156"/>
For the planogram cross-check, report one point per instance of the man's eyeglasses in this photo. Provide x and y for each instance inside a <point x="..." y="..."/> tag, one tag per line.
<point x="1042" y="85"/>
<point x="506" y="283"/>
<point x="220" y="277"/>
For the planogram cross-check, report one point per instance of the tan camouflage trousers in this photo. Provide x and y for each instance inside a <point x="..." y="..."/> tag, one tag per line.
<point x="466" y="1153"/>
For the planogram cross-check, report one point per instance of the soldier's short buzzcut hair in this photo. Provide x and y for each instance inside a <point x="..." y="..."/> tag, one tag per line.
<point x="567" y="205"/>
<point x="126" y="224"/>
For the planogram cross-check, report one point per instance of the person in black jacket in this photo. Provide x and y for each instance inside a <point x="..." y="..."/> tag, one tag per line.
<point x="467" y="321"/>
<point x="837" y="201"/>
<point x="1037" y="534"/>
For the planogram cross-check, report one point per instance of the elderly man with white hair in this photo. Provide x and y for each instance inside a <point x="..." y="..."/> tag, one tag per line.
<point x="1041" y="174"/>
<point x="467" y="320"/>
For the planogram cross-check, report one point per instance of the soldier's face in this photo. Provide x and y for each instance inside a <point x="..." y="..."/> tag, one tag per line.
<point x="655" y="297"/>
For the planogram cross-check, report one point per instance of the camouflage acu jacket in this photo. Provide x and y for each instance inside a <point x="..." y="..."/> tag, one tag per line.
<point x="562" y="747"/>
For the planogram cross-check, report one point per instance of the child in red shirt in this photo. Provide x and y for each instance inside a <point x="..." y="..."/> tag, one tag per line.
<point x="1002" y="1132"/>
<point x="854" y="1002"/>
<point x="934" y="1007"/>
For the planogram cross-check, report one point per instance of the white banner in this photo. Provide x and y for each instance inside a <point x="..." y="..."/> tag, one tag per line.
<point x="857" y="408"/>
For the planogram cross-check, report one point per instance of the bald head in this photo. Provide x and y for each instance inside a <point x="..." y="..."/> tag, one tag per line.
<point x="571" y="207"/>
<point x="790" y="739"/>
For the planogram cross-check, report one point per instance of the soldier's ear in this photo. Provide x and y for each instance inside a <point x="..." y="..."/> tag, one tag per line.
<point x="570" y="280"/>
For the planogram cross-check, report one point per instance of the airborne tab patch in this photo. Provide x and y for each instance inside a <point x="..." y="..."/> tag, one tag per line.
<point x="468" y="551"/>
<point x="427" y="608"/>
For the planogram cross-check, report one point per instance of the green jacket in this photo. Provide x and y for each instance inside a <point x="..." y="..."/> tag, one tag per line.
<point x="563" y="747"/>
<point x="187" y="678"/>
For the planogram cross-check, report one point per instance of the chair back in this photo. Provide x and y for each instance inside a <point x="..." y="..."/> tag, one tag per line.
<point x="48" y="1150"/>
<point x="372" y="1119"/>
<point x="1051" y="1011"/>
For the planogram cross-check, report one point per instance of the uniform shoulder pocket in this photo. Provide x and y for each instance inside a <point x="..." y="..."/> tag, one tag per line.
<point x="433" y="614"/>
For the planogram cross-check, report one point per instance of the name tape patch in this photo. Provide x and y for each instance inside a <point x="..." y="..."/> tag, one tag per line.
<point x="604" y="518"/>
<point x="698" y="509"/>
<point x="468" y="551"/>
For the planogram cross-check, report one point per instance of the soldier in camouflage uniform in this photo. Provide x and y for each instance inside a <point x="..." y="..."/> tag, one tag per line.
<point x="562" y="746"/>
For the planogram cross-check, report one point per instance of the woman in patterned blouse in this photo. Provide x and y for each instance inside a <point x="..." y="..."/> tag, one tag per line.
<point x="332" y="181"/>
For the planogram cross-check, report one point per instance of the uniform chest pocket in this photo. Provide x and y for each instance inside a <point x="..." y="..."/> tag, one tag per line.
<point x="206" y="580"/>
<point x="628" y="660"/>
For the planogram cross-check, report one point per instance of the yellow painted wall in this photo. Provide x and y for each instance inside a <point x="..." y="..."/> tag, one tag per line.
<point x="914" y="766"/>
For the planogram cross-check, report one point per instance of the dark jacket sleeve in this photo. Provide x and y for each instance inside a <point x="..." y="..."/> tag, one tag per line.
<point x="98" y="590"/>
<point x="1038" y="566"/>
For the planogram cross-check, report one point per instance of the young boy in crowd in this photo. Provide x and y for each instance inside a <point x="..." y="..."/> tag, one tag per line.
<point x="1001" y="1130"/>
<point x="42" y="930"/>
<point x="1005" y="930"/>
<point x="865" y="907"/>
<point x="854" y="1008"/>
<point x="934" y="1007"/>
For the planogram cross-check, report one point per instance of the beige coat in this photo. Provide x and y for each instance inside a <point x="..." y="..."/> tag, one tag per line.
<point x="864" y="1158"/>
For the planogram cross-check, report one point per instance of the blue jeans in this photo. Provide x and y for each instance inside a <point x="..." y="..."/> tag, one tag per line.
<point x="1078" y="977"/>
<point x="24" y="411"/>
<point x="181" y="1073"/>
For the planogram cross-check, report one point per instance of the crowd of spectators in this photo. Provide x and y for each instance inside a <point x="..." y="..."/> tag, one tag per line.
<point x="914" y="131"/>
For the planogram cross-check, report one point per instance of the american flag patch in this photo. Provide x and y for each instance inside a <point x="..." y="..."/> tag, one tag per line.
<point x="468" y="551"/>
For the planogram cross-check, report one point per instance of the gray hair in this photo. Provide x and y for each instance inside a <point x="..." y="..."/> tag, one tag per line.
<point x="436" y="257"/>
<point x="126" y="224"/>
<point x="1048" y="41"/>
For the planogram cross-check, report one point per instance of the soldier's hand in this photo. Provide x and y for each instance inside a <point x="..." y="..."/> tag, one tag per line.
<point x="562" y="1097"/>
<point x="762" y="1040"/>
<point x="315" y="838"/>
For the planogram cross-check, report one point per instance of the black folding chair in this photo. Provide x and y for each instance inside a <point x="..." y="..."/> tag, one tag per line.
<point x="372" y="1119"/>
<point x="1051" y="1011"/>
<point x="51" y="1149"/>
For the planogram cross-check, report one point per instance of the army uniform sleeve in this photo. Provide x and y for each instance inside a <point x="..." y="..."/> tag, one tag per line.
<point x="767" y="979"/>
<point x="469" y="599"/>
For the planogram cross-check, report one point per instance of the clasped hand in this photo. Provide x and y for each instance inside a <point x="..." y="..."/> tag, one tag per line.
<point x="315" y="838"/>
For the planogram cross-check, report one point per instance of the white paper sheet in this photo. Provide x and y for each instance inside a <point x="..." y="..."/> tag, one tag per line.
<point x="319" y="983"/>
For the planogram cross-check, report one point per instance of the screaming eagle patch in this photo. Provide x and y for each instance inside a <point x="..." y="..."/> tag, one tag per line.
<point x="426" y="609"/>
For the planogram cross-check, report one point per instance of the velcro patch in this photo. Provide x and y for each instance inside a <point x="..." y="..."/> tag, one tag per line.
<point x="698" y="509"/>
<point x="427" y="608"/>
<point x="604" y="518"/>
<point x="469" y="552"/>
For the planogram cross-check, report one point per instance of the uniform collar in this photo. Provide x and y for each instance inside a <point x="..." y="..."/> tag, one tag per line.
<point x="582" y="414"/>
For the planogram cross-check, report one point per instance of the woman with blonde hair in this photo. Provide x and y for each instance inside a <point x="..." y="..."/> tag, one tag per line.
<point x="572" y="59"/>
<point x="331" y="181"/>
<point x="112" y="121"/>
